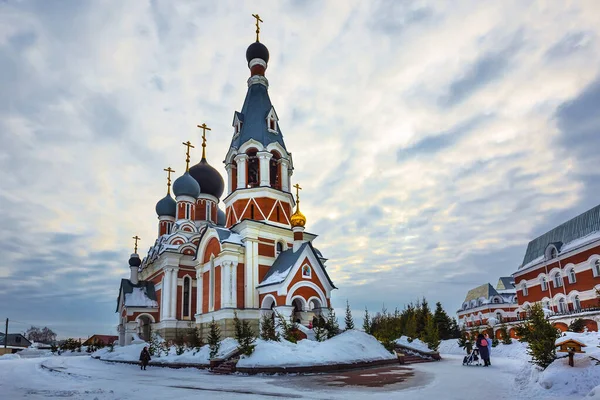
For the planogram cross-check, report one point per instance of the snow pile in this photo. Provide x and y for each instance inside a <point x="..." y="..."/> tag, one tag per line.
<point x="6" y="357"/>
<point x="138" y="298"/>
<point x="35" y="353"/>
<point x="189" y="356"/>
<point x="348" y="347"/>
<point x="416" y="344"/>
<point x="561" y="379"/>
<point x="516" y="350"/>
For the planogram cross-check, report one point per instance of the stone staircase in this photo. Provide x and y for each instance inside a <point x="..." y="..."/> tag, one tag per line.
<point x="413" y="359"/>
<point x="225" y="367"/>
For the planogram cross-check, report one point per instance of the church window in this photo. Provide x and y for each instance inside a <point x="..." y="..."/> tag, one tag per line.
<point x="274" y="170"/>
<point x="562" y="305"/>
<point x="558" y="282"/>
<point x="208" y="211"/>
<point x="188" y="211"/>
<point x="272" y="124"/>
<point x="279" y="248"/>
<point x="186" y="296"/>
<point x="544" y="284"/>
<point x="211" y="286"/>
<point x="253" y="169"/>
<point x="306" y="272"/>
<point x="572" y="277"/>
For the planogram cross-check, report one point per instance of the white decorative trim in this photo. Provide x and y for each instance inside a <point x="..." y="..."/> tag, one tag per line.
<point x="258" y="79"/>
<point x="309" y="284"/>
<point x="304" y="306"/>
<point x="257" y="61"/>
<point x="269" y="296"/>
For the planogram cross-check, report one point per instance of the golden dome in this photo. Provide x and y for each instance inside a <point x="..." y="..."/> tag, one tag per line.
<point x="298" y="219"/>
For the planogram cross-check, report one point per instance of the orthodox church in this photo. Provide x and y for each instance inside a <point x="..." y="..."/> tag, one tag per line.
<point x="253" y="258"/>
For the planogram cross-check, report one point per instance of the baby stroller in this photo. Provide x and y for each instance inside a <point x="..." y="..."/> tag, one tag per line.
<point x="473" y="358"/>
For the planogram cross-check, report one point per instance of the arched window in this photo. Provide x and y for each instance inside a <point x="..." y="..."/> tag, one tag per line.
<point x="558" y="282"/>
<point x="187" y="283"/>
<point x="562" y="305"/>
<point x="279" y="248"/>
<point x="465" y="306"/>
<point x="499" y="316"/>
<point x="253" y="175"/>
<point x="274" y="171"/>
<point x="553" y="252"/>
<point x="572" y="277"/>
<point x="547" y="305"/>
<point x="544" y="284"/>
<point x="597" y="268"/>
<point x="211" y="286"/>
<point x="496" y="300"/>
<point x="576" y="303"/>
<point x="208" y="211"/>
<point x="524" y="289"/>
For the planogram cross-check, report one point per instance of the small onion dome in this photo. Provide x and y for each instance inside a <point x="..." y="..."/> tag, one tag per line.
<point x="209" y="179"/>
<point x="185" y="185"/>
<point x="166" y="206"/>
<point x="298" y="219"/>
<point x="220" y="217"/>
<point x="257" y="50"/>
<point x="134" y="260"/>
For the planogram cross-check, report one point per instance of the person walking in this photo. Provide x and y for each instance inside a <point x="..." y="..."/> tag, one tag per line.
<point x="489" y="340"/>
<point x="482" y="346"/>
<point x="144" y="358"/>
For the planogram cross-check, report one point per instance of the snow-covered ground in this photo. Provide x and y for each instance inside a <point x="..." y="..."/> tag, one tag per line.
<point x="509" y="377"/>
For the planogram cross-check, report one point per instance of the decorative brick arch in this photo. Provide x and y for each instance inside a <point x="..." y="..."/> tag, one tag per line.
<point x="591" y="325"/>
<point x="561" y="326"/>
<point x="499" y="334"/>
<point x="513" y="333"/>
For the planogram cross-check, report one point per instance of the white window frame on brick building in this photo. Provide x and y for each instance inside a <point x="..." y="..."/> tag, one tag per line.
<point x="557" y="279"/>
<point x="572" y="276"/>
<point x="544" y="283"/>
<point x="524" y="289"/>
<point x="596" y="267"/>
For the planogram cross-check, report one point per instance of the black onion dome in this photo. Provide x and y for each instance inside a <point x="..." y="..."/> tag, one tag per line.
<point x="134" y="260"/>
<point x="209" y="179"/>
<point x="220" y="217"/>
<point x="166" y="206"/>
<point x="257" y="50"/>
<point x="185" y="185"/>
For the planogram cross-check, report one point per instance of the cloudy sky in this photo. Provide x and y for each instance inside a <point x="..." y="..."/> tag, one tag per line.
<point x="432" y="140"/>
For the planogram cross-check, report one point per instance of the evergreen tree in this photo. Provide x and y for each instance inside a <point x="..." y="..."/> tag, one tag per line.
<point x="179" y="345"/>
<point x="194" y="337"/>
<point x="423" y="312"/>
<point x="214" y="338"/>
<point x="541" y="336"/>
<point x="442" y="321"/>
<point x="464" y="342"/>
<point x="333" y="329"/>
<point x="349" y="320"/>
<point x="411" y="326"/>
<point x="288" y="328"/>
<point x="155" y="348"/>
<point x="320" y="333"/>
<point x="577" y="325"/>
<point x="454" y="329"/>
<point x="267" y="328"/>
<point x="244" y="335"/>
<point x="506" y="339"/>
<point x="367" y="322"/>
<point x="431" y="335"/>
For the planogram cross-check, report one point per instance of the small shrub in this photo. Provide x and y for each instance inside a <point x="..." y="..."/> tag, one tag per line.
<point x="577" y="325"/>
<point x="267" y="328"/>
<point x="214" y="338"/>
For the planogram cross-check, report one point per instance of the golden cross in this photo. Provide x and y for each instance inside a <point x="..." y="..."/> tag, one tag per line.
<point x="169" y="170"/>
<point x="187" y="153"/>
<point x="297" y="193"/>
<point x="136" y="240"/>
<point x="257" y="27"/>
<point x="204" y="129"/>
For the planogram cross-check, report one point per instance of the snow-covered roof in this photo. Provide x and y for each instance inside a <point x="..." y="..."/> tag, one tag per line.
<point x="566" y="339"/>
<point x="574" y="233"/>
<point x="140" y="295"/>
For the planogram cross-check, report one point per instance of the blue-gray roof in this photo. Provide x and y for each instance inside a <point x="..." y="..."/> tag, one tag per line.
<point x="254" y="116"/>
<point x="505" y="283"/>
<point x="578" y="227"/>
<point x="127" y="287"/>
<point x="285" y="261"/>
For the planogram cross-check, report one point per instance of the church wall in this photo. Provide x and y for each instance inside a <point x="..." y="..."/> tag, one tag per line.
<point x="314" y="278"/>
<point x="201" y="210"/>
<point x="179" y="303"/>
<point x="262" y="271"/>
<point x="267" y="250"/>
<point x="212" y="248"/>
<point x="240" y="285"/>
<point x="158" y="300"/>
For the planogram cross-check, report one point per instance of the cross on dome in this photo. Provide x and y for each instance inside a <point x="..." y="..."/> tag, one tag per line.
<point x="136" y="238"/>
<point x="187" y="153"/>
<point x="169" y="170"/>
<point x="257" y="26"/>
<point x="204" y="128"/>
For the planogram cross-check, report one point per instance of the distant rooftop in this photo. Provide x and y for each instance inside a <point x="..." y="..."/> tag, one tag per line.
<point x="578" y="227"/>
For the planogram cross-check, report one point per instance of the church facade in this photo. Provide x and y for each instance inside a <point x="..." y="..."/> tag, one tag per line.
<point x="255" y="257"/>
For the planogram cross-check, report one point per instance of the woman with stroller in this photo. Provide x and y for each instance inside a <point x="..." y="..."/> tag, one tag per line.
<point x="144" y="358"/>
<point x="482" y="346"/>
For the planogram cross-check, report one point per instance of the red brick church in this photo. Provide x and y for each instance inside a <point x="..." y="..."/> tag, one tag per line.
<point x="252" y="258"/>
